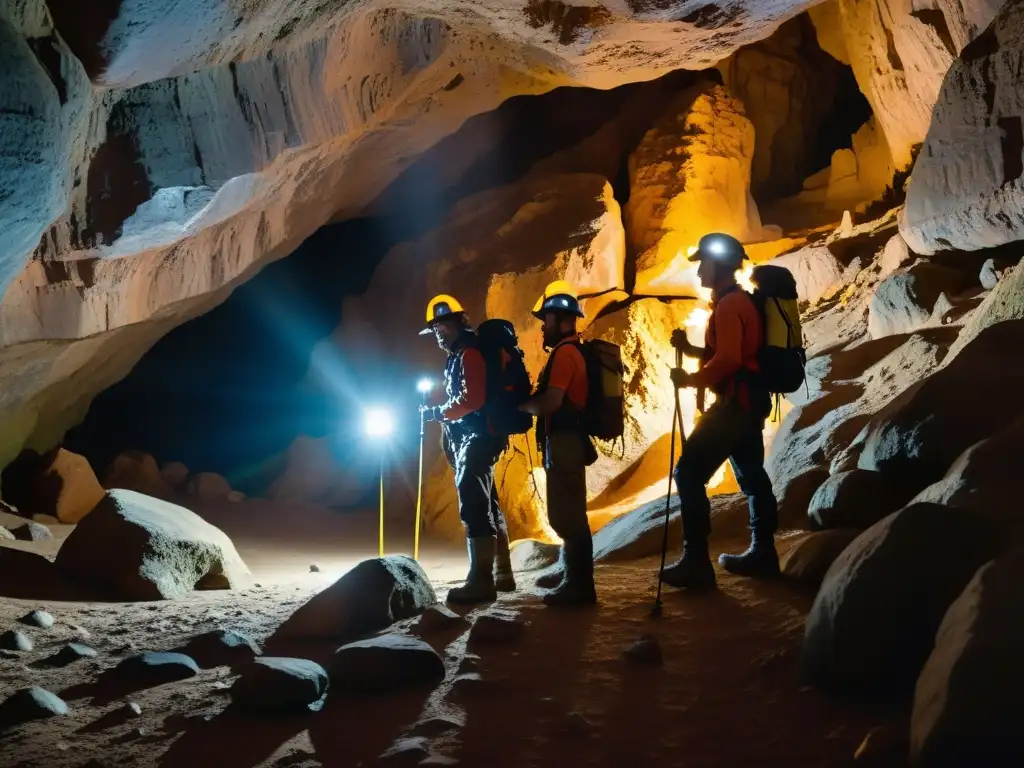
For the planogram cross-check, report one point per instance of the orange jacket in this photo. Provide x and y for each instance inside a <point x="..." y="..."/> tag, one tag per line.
<point x="731" y="342"/>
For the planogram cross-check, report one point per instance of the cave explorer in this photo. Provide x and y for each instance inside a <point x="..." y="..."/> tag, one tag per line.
<point x="472" y="450"/>
<point x="730" y="429"/>
<point x="566" y="449"/>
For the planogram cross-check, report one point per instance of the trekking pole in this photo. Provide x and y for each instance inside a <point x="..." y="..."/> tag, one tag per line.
<point x="677" y="419"/>
<point x="424" y="386"/>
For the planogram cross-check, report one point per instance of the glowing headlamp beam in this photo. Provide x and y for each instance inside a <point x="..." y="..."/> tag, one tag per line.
<point x="379" y="422"/>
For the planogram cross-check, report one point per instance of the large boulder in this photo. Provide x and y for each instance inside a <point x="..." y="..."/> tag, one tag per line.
<point x="809" y="559"/>
<point x="136" y="471"/>
<point x="275" y="684"/>
<point x="967" y="701"/>
<point x="967" y="191"/>
<point x="905" y="301"/>
<point x="855" y="499"/>
<point x="139" y="548"/>
<point x="175" y="474"/>
<point x="689" y="176"/>
<point x="980" y="481"/>
<point x="58" y="483"/>
<point x="385" y="663"/>
<point x="874" y="620"/>
<point x="930" y="425"/>
<point x="373" y="595"/>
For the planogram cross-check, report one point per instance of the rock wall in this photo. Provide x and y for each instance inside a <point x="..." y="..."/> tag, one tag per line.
<point x="968" y="183"/>
<point x="167" y="152"/>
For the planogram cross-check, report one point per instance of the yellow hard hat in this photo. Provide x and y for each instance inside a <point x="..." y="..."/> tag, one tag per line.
<point x="558" y="296"/>
<point x="441" y="307"/>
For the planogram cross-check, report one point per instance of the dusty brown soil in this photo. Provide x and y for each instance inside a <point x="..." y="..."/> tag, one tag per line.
<point x="727" y="694"/>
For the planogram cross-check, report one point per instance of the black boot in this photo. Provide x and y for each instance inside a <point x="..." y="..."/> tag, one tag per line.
<point x="577" y="588"/>
<point x="692" y="571"/>
<point x="504" y="580"/>
<point x="479" y="586"/>
<point x="760" y="561"/>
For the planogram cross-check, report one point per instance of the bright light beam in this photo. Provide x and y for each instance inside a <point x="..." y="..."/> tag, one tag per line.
<point x="423" y="386"/>
<point x="379" y="422"/>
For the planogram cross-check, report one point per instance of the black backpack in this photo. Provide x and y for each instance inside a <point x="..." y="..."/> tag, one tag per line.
<point x="782" y="356"/>
<point x="508" y="385"/>
<point x="605" y="414"/>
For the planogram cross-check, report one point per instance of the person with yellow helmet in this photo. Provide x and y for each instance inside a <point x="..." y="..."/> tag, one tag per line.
<point x="565" y="446"/>
<point x="472" y="449"/>
<point x="731" y="430"/>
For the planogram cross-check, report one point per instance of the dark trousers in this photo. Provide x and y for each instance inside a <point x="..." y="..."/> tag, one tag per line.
<point x="473" y="458"/>
<point x="565" y="464"/>
<point x="726" y="431"/>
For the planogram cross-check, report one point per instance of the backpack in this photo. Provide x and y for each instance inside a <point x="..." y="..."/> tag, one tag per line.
<point x="605" y="414"/>
<point x="508" y="383"/>
<point x="782" y="355"/>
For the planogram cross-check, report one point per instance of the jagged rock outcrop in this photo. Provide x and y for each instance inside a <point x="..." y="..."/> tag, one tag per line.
<point x="689" y="176"/>
<point x="229" y="137"/>
<point x="905" y="301"/>
<point x="967" y="188"/>
<point x="968" y="691"/>
<point x="874" y="620"/>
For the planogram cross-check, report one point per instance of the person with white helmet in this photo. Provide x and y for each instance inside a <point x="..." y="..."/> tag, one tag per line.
<point x="732" y="428"/>
<point x="472" y="449"/>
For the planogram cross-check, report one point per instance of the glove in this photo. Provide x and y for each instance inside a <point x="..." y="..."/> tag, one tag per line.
<point x="682" y="379"/>
<point x="431" y="414"/>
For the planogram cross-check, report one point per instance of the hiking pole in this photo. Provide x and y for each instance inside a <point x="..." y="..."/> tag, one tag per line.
<point x="423" y="386"/>
<point x="677" y="418"/>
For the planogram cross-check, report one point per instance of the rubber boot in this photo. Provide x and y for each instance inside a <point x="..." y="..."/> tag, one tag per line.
<point x="479" y="586"/>
<point x="504" y="580"/>
<point x="760" y="561"/>
<point x="693" y="570"/>
<point x="577" y="589"/>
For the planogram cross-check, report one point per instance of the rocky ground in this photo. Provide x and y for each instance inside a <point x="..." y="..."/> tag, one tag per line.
<point x="522" y="686"/>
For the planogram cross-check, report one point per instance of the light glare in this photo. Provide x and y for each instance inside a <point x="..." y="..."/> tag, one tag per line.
<point x="379" y="422"/>
<point x="423" y="386"/>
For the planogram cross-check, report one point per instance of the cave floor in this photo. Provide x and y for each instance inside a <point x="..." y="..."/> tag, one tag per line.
<point x="727" y="694"/>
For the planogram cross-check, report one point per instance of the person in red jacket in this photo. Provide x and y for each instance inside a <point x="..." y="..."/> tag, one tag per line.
<point x="732" y="429"/>
<point x="472" y="449"/>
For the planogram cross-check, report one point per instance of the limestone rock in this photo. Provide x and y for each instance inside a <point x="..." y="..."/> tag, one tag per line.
<point x="894" y="255"/>
<point x="904" y="302"/>
<point x="164" y="551"/>
<point x="968" y="185"/>
<point x="13" y="640"/>
<point x="809" y="559"/>
<point x="136" y="471"/>
<point x="31" y="531"/>
<point x="968" y="692"/>
<point x="39" y="619"/>
<point x="62" y="485"/>
<point x="281" y="684"/>
<point x="495" y="629"/>
<point x="209" y="486"/>
<point x="855" y="499"/>
<point x="221" y="647"/>
<point x="990" y="275"/>
<point x="928" y="427"/>
<point x="874" y="620"/>
<point x="533" y="555"/>
<point x="1004" y="302"/>
<point x="689" y="176"/>
<point x="69" y="654"/>
<point x="155" y="668"/>
<point x="30" y="704"/>
<point x="175" y="474"/>
<point x="979" y="482"/>
<point x="638" y="534"/>
<point x="384" y="663"/>
<point x="370" y="597"/>
<point x="6" y="535"/>
<point x="439" y="618"/>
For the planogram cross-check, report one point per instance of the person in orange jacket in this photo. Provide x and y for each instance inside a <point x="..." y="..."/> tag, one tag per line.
<point x="732" y="429"/>
<point x="472" y="449"/>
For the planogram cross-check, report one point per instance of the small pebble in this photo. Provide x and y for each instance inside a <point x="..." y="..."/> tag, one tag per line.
<point x="314" y="568"/>
<point x="131" y="709"/>
<point x="40" y="619"/>
<point x="646" y="650"/>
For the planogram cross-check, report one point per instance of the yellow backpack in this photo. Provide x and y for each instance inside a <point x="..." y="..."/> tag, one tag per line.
<point x="782" y="355"/>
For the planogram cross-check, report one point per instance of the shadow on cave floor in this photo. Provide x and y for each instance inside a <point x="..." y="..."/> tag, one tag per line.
<point x="729" y="692"/>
